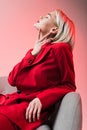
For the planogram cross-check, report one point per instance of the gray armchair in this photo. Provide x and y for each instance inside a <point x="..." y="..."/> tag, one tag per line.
<point x="68" y="114"/>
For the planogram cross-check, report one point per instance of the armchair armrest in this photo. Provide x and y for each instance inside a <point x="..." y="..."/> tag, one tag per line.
<point x="69" y="115"/>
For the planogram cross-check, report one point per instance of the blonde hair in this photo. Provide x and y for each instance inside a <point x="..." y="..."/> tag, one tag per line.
<point x="66" y="29"/>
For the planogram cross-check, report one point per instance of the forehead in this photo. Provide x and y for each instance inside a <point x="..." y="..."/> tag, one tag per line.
<point x="52" y="14"/>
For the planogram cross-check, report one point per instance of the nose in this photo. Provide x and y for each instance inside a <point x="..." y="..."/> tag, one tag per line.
<point x="41" y="17"/>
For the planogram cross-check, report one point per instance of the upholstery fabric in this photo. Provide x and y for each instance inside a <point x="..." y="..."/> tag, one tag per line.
<point x="44" y="127"/>
<point x="5" y="88"/>
<point x="69" y="116"/>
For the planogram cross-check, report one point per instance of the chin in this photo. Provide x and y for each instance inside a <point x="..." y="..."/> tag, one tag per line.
<point x="36" y="25"/>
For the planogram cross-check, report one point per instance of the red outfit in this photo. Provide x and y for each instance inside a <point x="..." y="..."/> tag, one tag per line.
<point x="48" y="76"/>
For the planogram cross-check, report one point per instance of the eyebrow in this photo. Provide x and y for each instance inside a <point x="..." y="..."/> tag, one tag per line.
<point x="49" y="14"/>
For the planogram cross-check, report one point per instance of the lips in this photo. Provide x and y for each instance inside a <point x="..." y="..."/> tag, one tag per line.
<point x="38" y="21"/>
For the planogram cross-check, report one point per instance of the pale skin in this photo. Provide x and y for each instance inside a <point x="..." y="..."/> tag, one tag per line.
<point x="47" y="29"/>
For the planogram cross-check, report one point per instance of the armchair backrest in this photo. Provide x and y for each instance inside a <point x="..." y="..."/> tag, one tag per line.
<point x="5" y="87"/>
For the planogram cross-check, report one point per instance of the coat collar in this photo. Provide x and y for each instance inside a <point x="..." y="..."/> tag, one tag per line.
<point x="32" y="60"/>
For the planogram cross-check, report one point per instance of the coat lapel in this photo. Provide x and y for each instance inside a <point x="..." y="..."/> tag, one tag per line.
<point x="35" y="60"/>
<point x="41" y="55"/>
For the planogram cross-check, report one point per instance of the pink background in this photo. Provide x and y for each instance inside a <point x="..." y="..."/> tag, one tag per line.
<point x="17" y="35"/>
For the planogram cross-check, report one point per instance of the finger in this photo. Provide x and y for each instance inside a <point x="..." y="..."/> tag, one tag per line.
<point x="50" y="39"/>
<point x="31" y="112"/>
<point x="34" y="112"/>
<point x="27" y="112"/>
<point x="38" y="112"/>
<point x="47" y="40"/>
<point x="44" y="37"/>
<point x="39" y="34"/>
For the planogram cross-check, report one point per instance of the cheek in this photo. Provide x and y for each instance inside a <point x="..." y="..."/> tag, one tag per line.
<point x="45" y="26"/>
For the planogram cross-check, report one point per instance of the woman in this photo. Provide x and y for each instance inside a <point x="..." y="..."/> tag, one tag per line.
<point x="42" y="77"/>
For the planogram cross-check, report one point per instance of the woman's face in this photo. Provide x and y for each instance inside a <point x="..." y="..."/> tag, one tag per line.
<point x="46" y="23"/>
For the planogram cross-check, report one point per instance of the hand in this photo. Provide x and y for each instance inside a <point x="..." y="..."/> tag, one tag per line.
<point x="33" y="110"/>
<point x="37" y="48"/>
<point x="40" y="42"/>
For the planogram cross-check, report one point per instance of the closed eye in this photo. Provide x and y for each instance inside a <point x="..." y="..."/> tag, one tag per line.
<point x="47" y="16"/>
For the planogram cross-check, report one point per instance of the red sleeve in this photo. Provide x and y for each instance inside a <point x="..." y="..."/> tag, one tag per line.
<point x="64" y="61"/>
<point x="15" y="71"/>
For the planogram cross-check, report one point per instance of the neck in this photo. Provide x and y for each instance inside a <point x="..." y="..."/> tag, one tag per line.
<point x="41" y="35"/>
<point x="44" y="36"/>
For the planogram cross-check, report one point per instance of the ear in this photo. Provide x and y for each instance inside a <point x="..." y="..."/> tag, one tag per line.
<point x="54" y="30"/>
